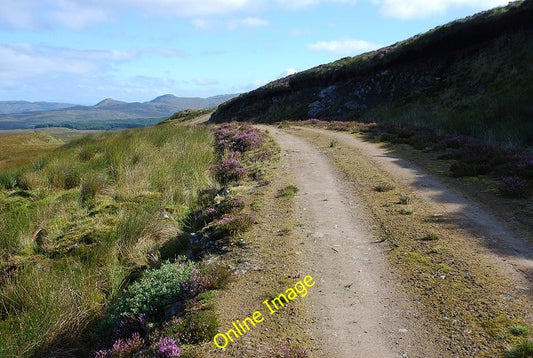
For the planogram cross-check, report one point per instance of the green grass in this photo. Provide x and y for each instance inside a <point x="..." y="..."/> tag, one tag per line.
<point x="80" y="220"/>
<point x="288" y="191"/>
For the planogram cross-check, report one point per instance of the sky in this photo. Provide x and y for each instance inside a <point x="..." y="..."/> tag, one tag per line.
<point x="82" y="51"/>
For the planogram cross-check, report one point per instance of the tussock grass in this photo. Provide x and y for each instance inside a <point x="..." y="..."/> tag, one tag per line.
<point x="80" y="220"/>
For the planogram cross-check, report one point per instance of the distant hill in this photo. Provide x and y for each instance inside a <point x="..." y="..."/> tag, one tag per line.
<point x="107" y="114"/>
<point x="472" y="76"/>
<point x="9" y="107"/>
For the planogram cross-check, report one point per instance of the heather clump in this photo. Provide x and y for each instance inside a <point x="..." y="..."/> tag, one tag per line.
<point x="238" y="137"/>
<point x="230" y="168"/>
<point x="122" y="348"/>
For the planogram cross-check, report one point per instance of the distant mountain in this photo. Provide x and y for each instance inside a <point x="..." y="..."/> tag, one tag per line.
<point x="109" y="113"/>
<point x="9" y="107"/>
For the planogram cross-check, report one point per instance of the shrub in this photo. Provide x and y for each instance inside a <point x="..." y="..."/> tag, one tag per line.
<point x="215" y="276"/>
<point x="514" y="187"/>
<point x="167" y="348"/>
<point x="157" y="288"/>
<point x="248" y="138"/>
<point x="195" y="327"/>
<point x="230" y="168"/>
<point x="468" y="169"/>
<point x="233" y="224"/>
<point x="230" y="206"/>
<point x="122" y="348"/>
<point x="240" y="138"/>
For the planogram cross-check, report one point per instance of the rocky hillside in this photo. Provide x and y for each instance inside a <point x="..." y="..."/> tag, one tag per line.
<point x="472" y="76"/>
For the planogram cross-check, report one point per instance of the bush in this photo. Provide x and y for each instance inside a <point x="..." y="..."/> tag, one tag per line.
<point x="233" y="224"/>
<point x="468" y="169"/>
<point x="514" y="187"/>
<point x="167" y="348"/>
<point x="156" y="289"/>
<point x="239" y="138"/>
<point x="122" y="348"/>
<point x="230" y="168"/>
<point x="195" y="327"/>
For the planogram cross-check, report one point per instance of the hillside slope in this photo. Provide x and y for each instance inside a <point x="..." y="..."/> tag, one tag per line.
<point x="472" y="76"/>
<point x="109" y="113"/>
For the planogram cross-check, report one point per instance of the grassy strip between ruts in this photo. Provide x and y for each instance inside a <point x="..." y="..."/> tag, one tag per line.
<point x="477" y="309"/>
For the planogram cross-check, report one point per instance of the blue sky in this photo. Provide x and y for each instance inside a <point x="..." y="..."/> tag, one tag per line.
<point x="82" y="51"/>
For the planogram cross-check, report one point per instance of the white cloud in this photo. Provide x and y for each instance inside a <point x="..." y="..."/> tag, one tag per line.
<point x="230" y="24"/>
<point x="25" y="60"/>
<point x="301" y="4"/>
<point x="409" y="9"/>
<point x="78" y="14"/>
<point x="345" y="46"/>
<point x="202" y="81"/>
<point x="186" y="7"/>
<point x="288" y="72"/>
<point x="254" y="22"/>
<point x="300" y="32"/>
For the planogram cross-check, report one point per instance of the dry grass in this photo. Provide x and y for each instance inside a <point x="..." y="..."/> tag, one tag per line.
<point x="79" y="220"/>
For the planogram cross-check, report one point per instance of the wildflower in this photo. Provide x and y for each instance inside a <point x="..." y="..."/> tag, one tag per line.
<point x="167" y="348"/>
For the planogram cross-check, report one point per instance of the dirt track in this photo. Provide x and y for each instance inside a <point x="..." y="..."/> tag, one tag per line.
<point x="360" y="310"/>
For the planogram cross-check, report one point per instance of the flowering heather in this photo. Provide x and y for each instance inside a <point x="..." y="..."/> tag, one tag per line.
<point x="167" y="348"/>
<point x="194" y="285"/>
<point x="122" y="348"/>
<point x="233" y="224"/>
<point x="205" y="216"/>
<point x="247" y="139"/>
<point x="230" y="169"/>
<point x="224" y="134"/>
<point x="230" y="206"/>
<point x="240" y="138"/>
